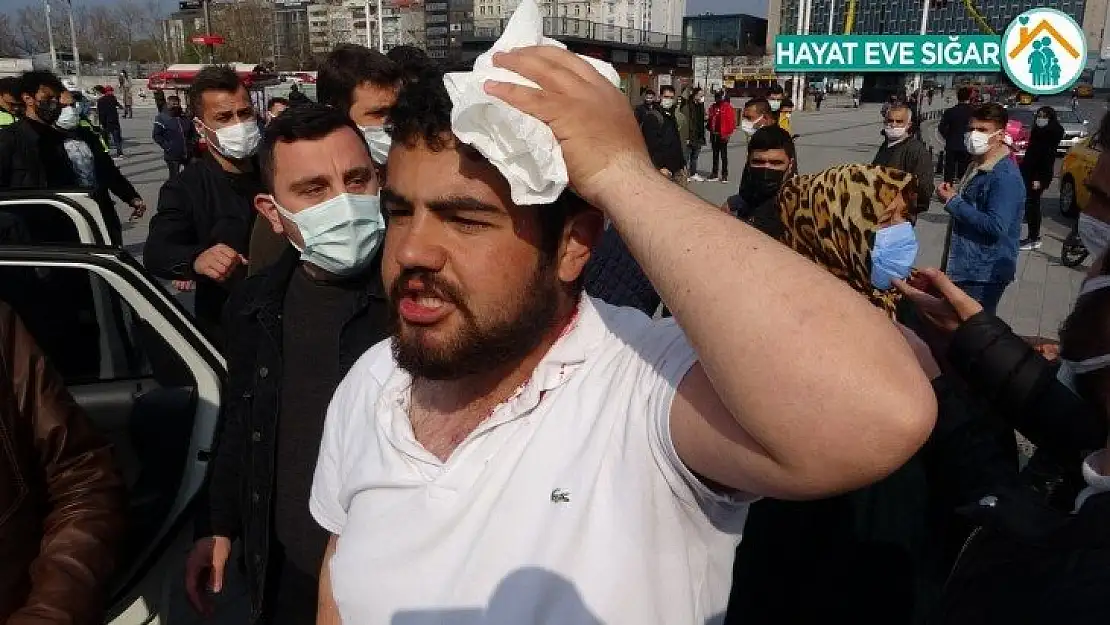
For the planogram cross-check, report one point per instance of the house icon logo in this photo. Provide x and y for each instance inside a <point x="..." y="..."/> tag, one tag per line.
<point x="1044" y="51"/>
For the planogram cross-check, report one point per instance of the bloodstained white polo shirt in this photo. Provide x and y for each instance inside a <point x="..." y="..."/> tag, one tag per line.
<point x="568" y="506"/>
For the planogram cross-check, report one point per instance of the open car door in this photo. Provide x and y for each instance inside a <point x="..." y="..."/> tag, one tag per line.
<point x="148" y="380"/>
<point x="44" y="217"/>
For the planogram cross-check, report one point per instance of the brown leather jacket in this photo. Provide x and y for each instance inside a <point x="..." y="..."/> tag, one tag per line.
<point x="61" y="499"/>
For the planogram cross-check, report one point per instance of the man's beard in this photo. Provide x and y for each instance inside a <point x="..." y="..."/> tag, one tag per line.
<point x="478" y="346"/>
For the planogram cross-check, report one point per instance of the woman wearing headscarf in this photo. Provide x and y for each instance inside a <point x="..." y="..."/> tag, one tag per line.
<point x="1037" y="168"/>
<point x="878" y="555"/>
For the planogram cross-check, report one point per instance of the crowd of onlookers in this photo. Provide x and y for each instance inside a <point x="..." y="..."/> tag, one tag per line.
<point x="442" y="405"/>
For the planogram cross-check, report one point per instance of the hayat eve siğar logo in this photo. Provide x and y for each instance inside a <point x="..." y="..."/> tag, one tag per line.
<point x="1044" y="51"/>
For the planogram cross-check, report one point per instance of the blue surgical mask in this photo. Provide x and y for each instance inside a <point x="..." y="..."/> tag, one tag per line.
<point x="341" y="235"/>
<point x="893" y="254"/>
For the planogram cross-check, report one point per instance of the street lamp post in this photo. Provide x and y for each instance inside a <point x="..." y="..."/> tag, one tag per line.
<point x="73" y="42"/>
<point x="208" y="30"/>
<point x="50" y="38"/>
<point x="919" y="81"/>
<point x="381" y="32"/>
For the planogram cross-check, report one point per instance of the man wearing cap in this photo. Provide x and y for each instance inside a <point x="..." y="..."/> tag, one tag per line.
<point x="107" y="112"/>
<point x="520" y="453"/>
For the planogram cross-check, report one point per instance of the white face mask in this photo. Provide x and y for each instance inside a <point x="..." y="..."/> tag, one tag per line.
<point x="341" y="235"/>
<point x="894" y="133"/>
<point x="978" y="142"/>
<point x="238" y="141"/>
<point x="667" y="103"/>
<point x="1041" y="122"/>
<point x="68" y="118"/>
<point x="775" y="105"/>
<point x="379" y="142"/>
<point x="748" y="127"/>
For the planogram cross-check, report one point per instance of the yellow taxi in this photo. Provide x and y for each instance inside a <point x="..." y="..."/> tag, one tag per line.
<point x="1076" y="168"/>
<point x="1085" y="90"/>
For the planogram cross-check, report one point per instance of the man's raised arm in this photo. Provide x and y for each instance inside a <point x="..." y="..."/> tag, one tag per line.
<point x="802" y="388"/>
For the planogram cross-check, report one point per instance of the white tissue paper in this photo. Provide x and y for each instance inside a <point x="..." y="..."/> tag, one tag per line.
<point x="520" y="146"/>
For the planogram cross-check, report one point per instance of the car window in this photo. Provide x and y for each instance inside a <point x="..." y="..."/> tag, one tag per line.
<point x="132" y="384"/>
<point x="1068" y="116"/>
<point x="1024" y="116"/>
<point x="34" y="222"/>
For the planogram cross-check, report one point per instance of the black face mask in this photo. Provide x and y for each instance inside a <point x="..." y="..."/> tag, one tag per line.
<point x="48" y="111"/>
<point x="759" y="184"/>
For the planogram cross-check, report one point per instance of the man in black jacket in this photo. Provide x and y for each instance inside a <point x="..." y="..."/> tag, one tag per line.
<point x="953" y="127"/>
<point x="696" y="127"/>
<point x="664" y="142"/>
<point x="902" y="150"/>
<point x="202" y="228"/>
<point x="1053" y="558"/>
<point x="36" y="154"/>
<point x="294" y="330"/>
<point x="174" y="134"/>
<point x="107" y="113"/>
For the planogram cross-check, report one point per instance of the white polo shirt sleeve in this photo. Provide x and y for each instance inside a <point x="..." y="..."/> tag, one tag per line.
<point x="669" y="357"/>
<point x="349" y="416"/>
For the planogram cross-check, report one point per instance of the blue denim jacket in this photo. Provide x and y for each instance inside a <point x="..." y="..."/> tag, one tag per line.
<point x="986" y="225"/>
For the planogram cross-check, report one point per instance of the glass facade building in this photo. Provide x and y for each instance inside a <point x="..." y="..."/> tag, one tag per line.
<point x="726" y="34"/>
<point x="893" y="17"/>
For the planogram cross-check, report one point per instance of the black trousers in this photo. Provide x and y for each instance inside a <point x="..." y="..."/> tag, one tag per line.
<point x="720" y="153"/>
<point x="174" y="168"/>
<point x="955" y="165"/>
<point x="1033" y="211"/>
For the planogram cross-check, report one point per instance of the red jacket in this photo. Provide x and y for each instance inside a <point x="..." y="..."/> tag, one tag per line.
<point x="722" y="119"/>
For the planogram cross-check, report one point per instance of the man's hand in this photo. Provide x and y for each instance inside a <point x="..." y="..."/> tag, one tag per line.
<point x="597" y="131"/>
<point x="138" y="209"/>
<point x="946" y="191"/>
<point x="940" y="301"/>
<point x="205" y="567"/>
<point x="218" y="262"/>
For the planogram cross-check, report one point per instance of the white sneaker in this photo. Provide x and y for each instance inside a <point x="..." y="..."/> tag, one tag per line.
<point x="696" y="178"/>
<point x="712" y="179"/>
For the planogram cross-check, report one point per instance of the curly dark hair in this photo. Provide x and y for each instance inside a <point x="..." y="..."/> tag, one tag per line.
<point x="422" y="116"/>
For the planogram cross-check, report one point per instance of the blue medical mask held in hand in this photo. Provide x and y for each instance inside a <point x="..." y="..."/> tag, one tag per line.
<point x="341" y="235"/>
<point x="893" y="254"/>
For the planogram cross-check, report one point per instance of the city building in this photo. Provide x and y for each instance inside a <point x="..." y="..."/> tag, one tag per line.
<point x="888" y="17"/>
<point x="292" y="48"/>
<point x="333" y="23"/>
<point x="734" y="34"/>
<point x="662" y="16"/>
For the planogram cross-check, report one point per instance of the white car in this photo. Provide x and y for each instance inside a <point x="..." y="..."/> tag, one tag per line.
<point x="137" y="364"/>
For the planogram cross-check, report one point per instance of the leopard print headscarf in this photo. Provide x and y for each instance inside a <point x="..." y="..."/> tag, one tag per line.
<point x="831" y="218"/>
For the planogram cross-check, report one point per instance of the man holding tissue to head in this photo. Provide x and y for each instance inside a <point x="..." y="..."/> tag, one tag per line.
<point x="521" y="453"/>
